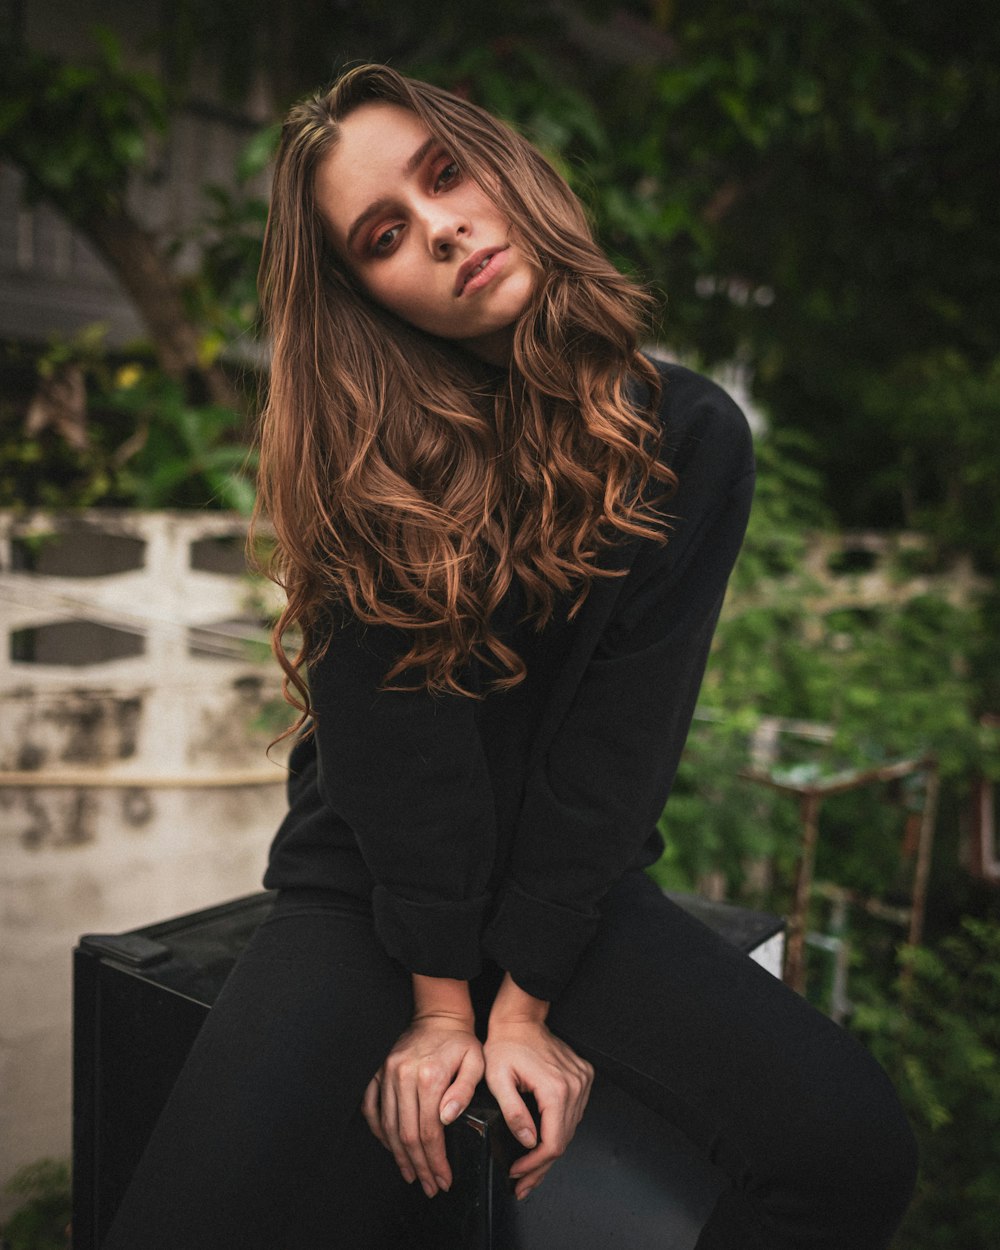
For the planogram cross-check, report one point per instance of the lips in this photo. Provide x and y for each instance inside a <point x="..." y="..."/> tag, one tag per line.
<point x="476" y="262"/>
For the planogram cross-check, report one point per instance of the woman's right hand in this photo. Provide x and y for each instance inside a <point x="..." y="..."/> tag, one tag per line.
<point x="427" y="1081"/>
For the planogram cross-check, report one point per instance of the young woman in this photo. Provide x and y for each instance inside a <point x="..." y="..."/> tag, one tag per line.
<point x="505" y="536"/>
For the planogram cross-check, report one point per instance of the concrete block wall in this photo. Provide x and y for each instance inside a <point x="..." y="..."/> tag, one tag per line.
<point x="134" y="783"/>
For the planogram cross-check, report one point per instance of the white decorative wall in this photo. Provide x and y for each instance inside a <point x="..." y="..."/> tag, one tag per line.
<point x="133" y="779"/>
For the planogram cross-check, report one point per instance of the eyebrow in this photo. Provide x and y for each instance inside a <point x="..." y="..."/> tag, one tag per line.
<point x="373" y="210"/>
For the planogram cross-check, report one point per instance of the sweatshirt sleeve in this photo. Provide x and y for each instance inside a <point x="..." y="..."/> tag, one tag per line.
<point x="596" y="791"/>
<point x="407" y="772"/>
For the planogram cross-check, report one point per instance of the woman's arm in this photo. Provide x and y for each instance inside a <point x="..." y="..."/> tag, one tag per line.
<point x="406" y="771"/>
<point x="598" y="785"/>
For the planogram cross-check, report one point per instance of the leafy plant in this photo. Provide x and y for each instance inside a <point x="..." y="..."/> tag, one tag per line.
<point x="41" y="1222"/>
<point x="891" y="682"/>
<point x="185" y="455"/>
<point x="939" y="1038"/>
<point x="222" y="293"/>
<point x="130" y="437"/>
<point x="79" y="129"/>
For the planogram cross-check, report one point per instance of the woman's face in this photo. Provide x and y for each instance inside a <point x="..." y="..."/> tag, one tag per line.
<point x="422" y="237"/>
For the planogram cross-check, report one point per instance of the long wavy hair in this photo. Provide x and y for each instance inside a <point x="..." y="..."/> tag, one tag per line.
<point x="405" y="481"/>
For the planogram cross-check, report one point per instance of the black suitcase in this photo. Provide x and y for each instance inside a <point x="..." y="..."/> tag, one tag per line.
<point x="628" y="1179"/>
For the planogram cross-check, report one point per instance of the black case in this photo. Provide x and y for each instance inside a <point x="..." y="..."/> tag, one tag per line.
<point x="628" y="1179"/>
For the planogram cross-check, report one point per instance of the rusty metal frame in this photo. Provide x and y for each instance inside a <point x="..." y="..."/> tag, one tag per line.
<point x="810" y="796"/>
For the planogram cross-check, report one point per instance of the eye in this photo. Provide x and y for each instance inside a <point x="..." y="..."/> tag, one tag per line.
<point x="447" y="174"/>
<point x="383" y="243"/>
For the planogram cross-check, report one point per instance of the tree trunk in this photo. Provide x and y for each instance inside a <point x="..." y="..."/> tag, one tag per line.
<point x="139" y="266"/>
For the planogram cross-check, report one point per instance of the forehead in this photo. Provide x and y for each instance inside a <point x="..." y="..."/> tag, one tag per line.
<point x="367" y="163"/>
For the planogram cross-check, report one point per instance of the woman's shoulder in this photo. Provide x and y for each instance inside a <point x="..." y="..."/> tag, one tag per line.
<point x="701" y="421"/>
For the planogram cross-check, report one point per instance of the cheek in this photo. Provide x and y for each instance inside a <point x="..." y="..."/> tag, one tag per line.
<point x="496" y="219"/>
<point x="396" y="290"/>
<point x="486" y="199"/>
<point x="405" y="293"/>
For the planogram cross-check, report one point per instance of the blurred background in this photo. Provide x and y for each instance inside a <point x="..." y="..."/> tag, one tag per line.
<point x="811" y="191"/>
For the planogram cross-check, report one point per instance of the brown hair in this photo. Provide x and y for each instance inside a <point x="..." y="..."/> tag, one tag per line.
<point x="405" y="483"/>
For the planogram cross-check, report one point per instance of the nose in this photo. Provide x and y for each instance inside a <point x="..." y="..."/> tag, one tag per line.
<point x="445" y="225"/>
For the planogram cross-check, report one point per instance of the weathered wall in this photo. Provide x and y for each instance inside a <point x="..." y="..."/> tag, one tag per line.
<point x="133" y="781"/>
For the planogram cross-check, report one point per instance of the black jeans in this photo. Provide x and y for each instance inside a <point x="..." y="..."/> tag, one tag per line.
<point x="262" y="1146"/>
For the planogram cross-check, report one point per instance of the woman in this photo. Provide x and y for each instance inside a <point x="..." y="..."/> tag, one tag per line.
<point x="465" y="459"/>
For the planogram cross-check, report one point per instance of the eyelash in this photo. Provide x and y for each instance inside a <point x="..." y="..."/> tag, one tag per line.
<point x="439" y="185"/>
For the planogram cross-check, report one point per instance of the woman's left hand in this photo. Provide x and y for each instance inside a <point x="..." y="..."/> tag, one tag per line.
<point x="524" y="1056"/>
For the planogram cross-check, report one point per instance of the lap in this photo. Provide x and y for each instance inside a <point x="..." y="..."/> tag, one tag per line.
<point x="263" y="1137"/>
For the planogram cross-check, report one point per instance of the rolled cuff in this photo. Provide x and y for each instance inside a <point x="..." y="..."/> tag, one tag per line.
<point x="432" y="939"/>
<point x="537" y="942"/>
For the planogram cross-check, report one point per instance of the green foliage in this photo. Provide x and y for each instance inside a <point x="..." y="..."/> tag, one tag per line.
<point x="893" y="682"/>
<point x="184" y="454"/>
<point x="942" y="410"/>
<point x="811" y="185"/>
<point x="78" y="129"/>
<point x="838" y="157"/>
<point x="222" y="293"/>
<point x="939" y="1038"/>
<point x="41" y="1222"/>
<point x="716" y="822"/>
<point x="137" y="440"/>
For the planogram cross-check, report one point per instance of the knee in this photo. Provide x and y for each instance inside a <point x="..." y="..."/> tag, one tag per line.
<point x="867" y="1152"/>
<point x="901" y="1144"/>
<point x="886" y="1167"/>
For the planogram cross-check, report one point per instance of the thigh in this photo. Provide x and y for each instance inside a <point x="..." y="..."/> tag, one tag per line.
<point x="261" y="1142"/>
<point x="785" y="1102"/>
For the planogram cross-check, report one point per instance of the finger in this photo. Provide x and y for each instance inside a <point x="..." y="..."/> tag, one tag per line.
<point x="371" y="1110"/>
<point x="459" y="1093"/>
<point x="390" y="1129"/>
<point x="588" y="1085"/>
<point x="513" y="1108"/>
<point x="409" y="1136"/>
<point x="429" y="1082"/>
<point x="555" y="1137"/>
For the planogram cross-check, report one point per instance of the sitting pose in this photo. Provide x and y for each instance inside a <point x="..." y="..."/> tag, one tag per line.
<point x="504" y="535"/>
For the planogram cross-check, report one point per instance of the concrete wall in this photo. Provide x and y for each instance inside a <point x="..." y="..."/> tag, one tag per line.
<point x="133" y="781"/>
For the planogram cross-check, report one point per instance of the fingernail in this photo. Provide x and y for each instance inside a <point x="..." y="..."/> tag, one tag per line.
<point x="408" y="1176"/>
<point x="443" y="1184"/>
<point x="526" y="1137"/>
<point x="449" y="1113"/>
<point x="429" y="1189"/>
<point x="524" y="1193"/>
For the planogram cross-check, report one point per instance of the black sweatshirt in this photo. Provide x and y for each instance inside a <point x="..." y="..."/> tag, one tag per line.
<point x="493" y="828"/>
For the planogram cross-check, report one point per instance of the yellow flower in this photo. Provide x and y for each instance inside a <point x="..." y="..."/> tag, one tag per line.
<point x="127" y="376"/>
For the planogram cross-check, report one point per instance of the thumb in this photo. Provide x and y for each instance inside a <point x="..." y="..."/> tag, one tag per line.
<point x="459" y="1093"/>
<point x="513" y="1108"/>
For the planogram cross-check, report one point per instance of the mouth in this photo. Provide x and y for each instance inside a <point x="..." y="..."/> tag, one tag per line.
<point x="478" y="263"/>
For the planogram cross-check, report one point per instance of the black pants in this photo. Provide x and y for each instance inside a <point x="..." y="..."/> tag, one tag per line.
<point x="262" y="1146"/>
